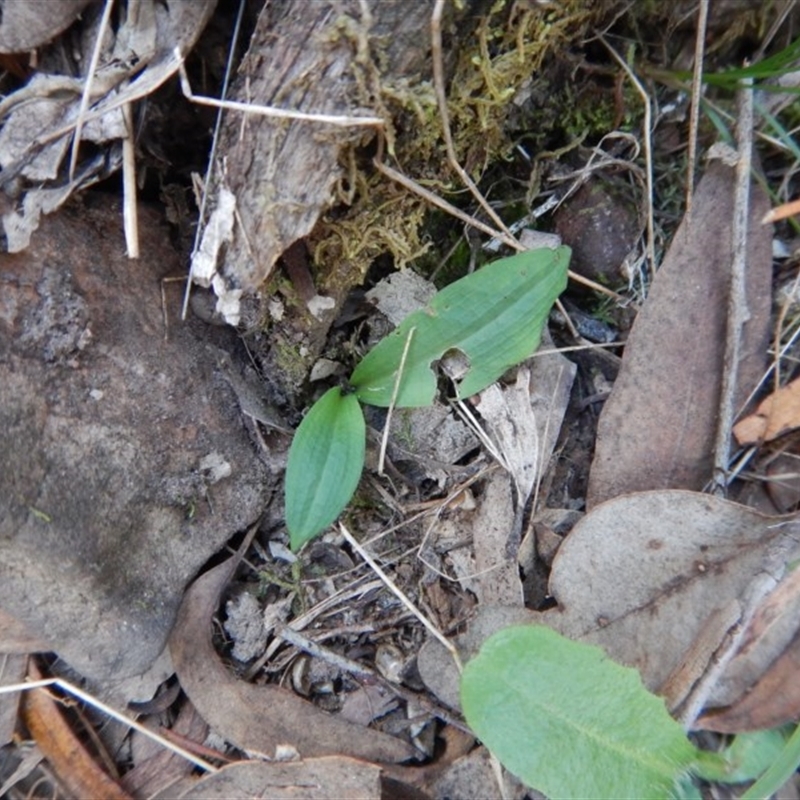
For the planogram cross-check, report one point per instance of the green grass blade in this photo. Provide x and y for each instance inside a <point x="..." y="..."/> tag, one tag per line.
<point x="494" y="317"/>
<point x="568" y="721"/>
<point x="325" y="463"/>
<point x="781" y="770"/>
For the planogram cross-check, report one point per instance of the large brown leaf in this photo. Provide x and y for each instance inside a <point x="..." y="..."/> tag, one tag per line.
<point x="658" y="426"/>
<point x="659" y="580"/>
<point x="645" y="574"/>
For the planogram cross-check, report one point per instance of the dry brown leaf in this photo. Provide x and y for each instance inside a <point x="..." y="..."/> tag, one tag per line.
<point x="259" y="718"/>
<point x="774" y="701"/>
<point x="24" y="26"/>
<point x="331" y="778"/>
<point x="154" y="766"/>
<point x="657" y="579"/>
<point x="658" y="426"/>
<point x="759" y="687"/>
<point x="39" y="118"/>
<point x="642" y="575"/>
<point x="777" y="414"/>
<point x="66" y="755"/>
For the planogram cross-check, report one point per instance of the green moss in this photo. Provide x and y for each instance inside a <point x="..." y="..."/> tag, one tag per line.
<point x="376" y="217"/>
<point x="289" y="359"/>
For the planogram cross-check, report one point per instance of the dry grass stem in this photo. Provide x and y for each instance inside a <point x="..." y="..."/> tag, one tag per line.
<point x="102" y="707"/>
<point x="317" y="650"/>
<point x="782" y="212"/>
<point x="212" y="156"/>
<point x="87" y="87"/>
<point x="648" y="152"/>
<point x="439" y="202"/>
<point x="737" y="298"/>
<point x="339" y="120"/>
<point x="401" y="596"/>
<point x="441" y="99"/>
<point x="395" y="391"/>
<point x="130" y="211"/>
<point x="139" y="88"/>
<point x="505" y="238"/>
<point x="469" y="419"/>
<point x="697" y="89"/>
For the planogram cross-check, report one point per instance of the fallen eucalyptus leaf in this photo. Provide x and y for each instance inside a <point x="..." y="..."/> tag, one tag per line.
<point x="328" y="778"/>
<point x="259" y="717"/>
<point x="494" y="317"/>
<point x="657" y="427"/>
<point x="645" y="576"/>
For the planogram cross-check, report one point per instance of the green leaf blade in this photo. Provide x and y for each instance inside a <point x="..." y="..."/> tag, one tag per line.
<point x="494" y="316"/>
<point x="568" y="721"/>
<point x="325" y="463"/>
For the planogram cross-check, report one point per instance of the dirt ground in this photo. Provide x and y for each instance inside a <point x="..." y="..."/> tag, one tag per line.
<point x="632" y="484"/>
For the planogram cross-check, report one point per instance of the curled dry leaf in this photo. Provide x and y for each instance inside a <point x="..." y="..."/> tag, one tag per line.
<point x="62" y="748"/>
<point x="777" y="414"/>
<point x="774" y="701"/>
<point x="331" y="778"/>
<point x="153" y="765"/>
<point x="259" y="717"/>
<point x="38" y="119"/>
<point x="759" y="687"/>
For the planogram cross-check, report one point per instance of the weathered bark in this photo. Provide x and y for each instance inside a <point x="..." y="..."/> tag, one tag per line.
<point x="313" y="57"/>
<point x="302" y="57"/>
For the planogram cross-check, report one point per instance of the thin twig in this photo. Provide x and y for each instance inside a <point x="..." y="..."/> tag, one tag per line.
<point x="395" y="392"/>
<point x="782" y="212"/>
<point x="648" y="152"/>
<point x="70" y="688"/>
<point x="441" y="99"/>
<point x="697" y="88"/>
<point x="293" y="637"/>
<point x="201" y="216"/>
<point x="130" y="211"/>
<point x="340" y="120"/>
<point x="400" y="595"/>
<point x="507" y="240"/>
<point x="737" y="299"/>
<point x="87" y="87"/>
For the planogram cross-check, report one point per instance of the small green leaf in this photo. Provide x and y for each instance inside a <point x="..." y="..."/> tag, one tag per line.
<point x="494" y="317"/>
<point x="325" y="463"/>
<point x="568" y="721"/>
<point x="748" y="756"/>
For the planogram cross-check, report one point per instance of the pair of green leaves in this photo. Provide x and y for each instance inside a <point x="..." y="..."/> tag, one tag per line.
<point x="494" y="317"/>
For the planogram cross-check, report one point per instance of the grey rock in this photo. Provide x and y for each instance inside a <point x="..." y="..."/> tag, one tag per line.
<point x="107" y="505"/>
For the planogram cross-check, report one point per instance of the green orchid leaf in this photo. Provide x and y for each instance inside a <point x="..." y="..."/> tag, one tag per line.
<point x="568" y="721"/>
<point x="325" y="463"/>
<point x="494" y="317"/>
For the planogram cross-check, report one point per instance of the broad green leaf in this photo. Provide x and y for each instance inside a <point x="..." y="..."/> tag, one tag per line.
<point x="325" y="463"/>
<point x="570" y="722"/>
<point x="494" y="317"/>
